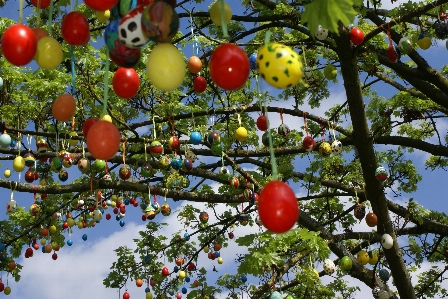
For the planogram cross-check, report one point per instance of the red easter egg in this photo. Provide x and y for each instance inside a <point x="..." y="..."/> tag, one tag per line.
<point x="277" y="207"/>
<point x="75" y="29"/>
<point x="392" y="54"/>
<point x="101" y="5"/>
<point x="229" y="67"/>
<point x="126" y="82"/>
<point x="87" y="125"/>
<point x="2" y="286"/>
<point x="356" y="36"/>
<point x="371" y="219"/>
<point x="262" y="123"/>
<point x="64" y="107"/>
<point x="308" y="143"/>
<point x="43" y="3"/>
<point x="199" y="84"/>
<point x="194" y="64"/>
<point x="165" y="271"/>
<point x="103" y="140"/>
<point x="19" y="44"/>
<point x="39" y="32"/>
<point x="126" y="295"/>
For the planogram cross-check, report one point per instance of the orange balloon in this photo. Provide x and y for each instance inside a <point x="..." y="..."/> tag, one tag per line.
<point x="194" y="64"/>
<point x="103" y="140"/>
<point x="64" y="107"/>
<point x="39" y="33"/>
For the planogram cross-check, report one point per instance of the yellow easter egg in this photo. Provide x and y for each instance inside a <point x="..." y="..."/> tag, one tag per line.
<point x="52" y="229"/>
<point x="363" y="257"/>
<point x="241" y="134"/>
<point x="220" y="260"/>
<point x="7" y="173"/>
<point x="182" y="274"/>
<point x="73" y="142"/>
<point x="373" y="257"/>
<point x="279" y="65"/>
<point x="49" y="53"/>
<point x="106" y="117"/>
<point x="7" y="290"/>
<point x="18" y="164"/>
<point x="103" y="16"/>
<point x="215" y="13"/>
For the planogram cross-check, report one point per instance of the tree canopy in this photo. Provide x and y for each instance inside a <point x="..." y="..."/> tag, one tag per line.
<point x="346" y="158"/>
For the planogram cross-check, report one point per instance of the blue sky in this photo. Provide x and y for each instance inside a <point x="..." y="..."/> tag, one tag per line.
<point x="80" y="269"/>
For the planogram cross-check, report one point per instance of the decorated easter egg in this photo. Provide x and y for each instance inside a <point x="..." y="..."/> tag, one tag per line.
<point x="283" y="130"/>
<point x="373" y="257"/>
<point x="173" y="143"/>
<point x="5" y="140"/>
<point x="336" y="147"/>
<point x="325" y="149"/>
<point x="363" y="257"/>
<point x="213" y="137"/>
<point x="356" y="36"/>
<point x="126" y="82"/>
<point x="224" y="173"/>
<point x="130" y="31"/>
<point x="203" y="217"/>
<point x="346" y="263"/>
<point x="359" y="211"/>
<point x="75" y="29"/>
<point x="124" y="172"/>
<point x="371" y="219"/>
<point x="387" y="242"/>
<point x="176" y="162"/>
<point x="404" y="45"/>
<point x="199" y="84"/>
<point x="381" y="173"/>
<point x="160" y="22"/>
<point x="146" y="170"/>
<point x="156" y="148"/>
<point x="253" y="62"/>
<point x="165" y="209"/>
<point x="49" y="53"/>
<point x="84" y="165"/>
<point x="11" y="206"/>
<point x="384" y="274"/>
<point x="19" y="44"/>
<point x="329" y="267"/>
<point x="187" y="164"/>
<point x="279" y="65"/>
<point x="18" y="164"/>
<point x="219" y="9"/>
<point x="195" y="138"/>
<point x="63" y="175"/>
<point x="243" y="219"/>
<point x="321" y="33"/>
<point x="424" y="41"/>
<point x="103" y="140"/>
<point x="194" y="64"/>
<point x="308" y="143"/>
<point x="164" y="162"/>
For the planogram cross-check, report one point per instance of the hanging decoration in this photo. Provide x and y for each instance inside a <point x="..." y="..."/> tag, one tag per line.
<point x="283" y="130"/>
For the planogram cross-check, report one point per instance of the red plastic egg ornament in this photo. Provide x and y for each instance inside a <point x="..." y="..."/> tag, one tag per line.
<point x="87" y="125"/>
<point x="75" y="29"/>
<point x="229" y="67"/>
<point x="126" y="82"/>
<point x="43" y="3"/>
<point x="39" y="33"/>
<point x="262" y="123"/>
<point x="126" y="295"/>
<point x="165" y="271"/>
<point x="277" y="207"/>
<point x="19" y="44"/>
<point x="392" y="54"/>
<point x="103" y="140"/>
<point x="199" y="84"/>
<point x="371" y="219"/>
<point x="64" y="107"/>
<point x="194" y="64"/>
<point x="101" y="5"/>
<point x="356" y="36"/>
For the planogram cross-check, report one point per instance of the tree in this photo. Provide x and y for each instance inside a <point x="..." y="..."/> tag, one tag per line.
<point x="409" y="116"/>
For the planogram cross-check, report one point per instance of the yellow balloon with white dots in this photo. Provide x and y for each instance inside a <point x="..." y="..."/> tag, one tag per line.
<point x="279" y="65"/>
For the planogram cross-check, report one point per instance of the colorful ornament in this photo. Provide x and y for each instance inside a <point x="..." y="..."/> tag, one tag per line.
<point x="42" y="146"/>
<point x="86" y="126"/>
<point x="381" y="173"/>
<point x="165" y="209"/>
<point x="49" y="53"/>
<point x="329" y="267"/>
<point x="29" y="159"/>
<point x="346" y="263"/>
<point x="224" y="173"/>
<point x="103" y="140"/>
<point x="125" y="172"/>
<point x="262" y="123"/>
<point x="195" y="138"/>
<point x="173" y="143"/>
<point x="126" y="82"/>
<point x="279" y="65"/>
<point x="176" y="162"/>
<point x="373" y="257"/>
<point x="283" y="130"/>
<point x="387" y="242"/>
<point x="64" y="107"/>
<point x="277" y="207"/>
<point x="11" y="206"/>
<point x="100" y="165"/>
<point x="194" y="64"/>
<point x="371" y="219"/>
<point x="130" y="29"/>
<point x="101" y="5"/>
<point x="392" y="54"/>
<point x="404" y="45"/>
<point x="336" y="147"/>
<point x="243" y="219"/>
<point x="213" y="137"/>
<point x="19" y="44"/>
<point x="356" y="36"/>
<point x="216" y="13"/>
<point x="253" y="62"/>
<point x="203" y="217"/>
<point x="63" y="175"/>
<point x="216" y="148"/>
<point x="146" y="170"/>
<point x="321" y="33"/>
<point x="34" y="209"/>
<point x="384" y="274"/>
<point x="241" y="134"/>
<point x="75" y="29"/>
<point x="265" y="138"/>
<point x="159" y="22"/>
<point x="424" y="41"/>
<point x="363" y="257"/>
<point x="164" y="162"/>
<point x="156" y="148"/>
<point x="187" y="164"/>
<point x="229" y="67"/>
<point x="359" y="211"/>
<point x="234" y="182"/>
<point x="325" y="149"/>
<point x="199" y="84"/>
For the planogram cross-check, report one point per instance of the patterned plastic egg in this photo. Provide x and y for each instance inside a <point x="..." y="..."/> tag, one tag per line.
<point x="173" y="143"/>
<point x="190" y="155"/>
<point x="34" y="209"/>
<point x="234" y="182"/>
<point x="265" y="138"/>
<point x="381" y="173"/>
<point x="187" y="164"/>
<point x="279" y="65"/>
<point x="243" y="219"/>
<point x="203" y="217"/>
<point x="56" y="164"/>
<point x="11" y="206"/>
<point x="371" y="219"/>
<point x="359" y="211"/>
<point x="224" y="173"/>
<point x="150" y="212"/>
<point x="29" y="159"/>
<point x="42" y="146"/>
<point x="217" y="148"/>
<point x="63" y="175"/>
<point x="164" y="162"/>
<point x="124" y="172"/>
<point x="176" y="162"/>
<point x="97" y="215"/>
<point x="165" y="209"/>
<point x="321" y="33"/>
<point x="308" y="143"/>
<point x="336" y="147"/>
<point x="325" y="149"/>
<point x="146" y="170"/>
<point x="5" y="140"/>
<point x="253" y="61"/>
<point x="130" y="31"/>
<point x="119" y="53"/>
<point x="384" y="274"/>
<point x="67" y="160"/>
<point x="160" y="22"/>
<point x="156" y="148"/>
<point x="157" y="208"/>
<point x="363" y="257"/>
<point x="283" y="130"/>
<point x="213" y="137"/>
<point x="329" y="266"/>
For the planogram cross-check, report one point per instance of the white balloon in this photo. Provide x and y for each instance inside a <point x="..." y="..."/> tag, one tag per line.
<point x="387" y="242"/>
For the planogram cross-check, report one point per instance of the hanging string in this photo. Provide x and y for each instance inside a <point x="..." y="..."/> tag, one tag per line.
<point x="166" y="192"/>
<point x="21" y="11"/>
<point x="72" y="59"/>
<point x="38" y="13"/>
<point x="155" y="195"/>
<point x="144" y="143"/>
<point x="171" y="120"/>
<point x="154" y="126"/>
<point x="223" y="20"/>
<point x="106" y="83"/>
<point x="239" y="118"/>
<point x="50" y="18"/>
<point x="123" y="149"/>
<point x="305" y="123"/>
<point x="83" y="150"/>
<point x="280" y="110"/>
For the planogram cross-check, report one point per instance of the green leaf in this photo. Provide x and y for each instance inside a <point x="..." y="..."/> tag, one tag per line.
<point x="328" y="13"/>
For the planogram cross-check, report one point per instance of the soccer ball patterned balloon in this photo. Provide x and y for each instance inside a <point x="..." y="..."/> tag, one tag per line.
<point x="336" y="147"/>
<point x="325" y="149"/>
<point x="130" y="31"/>
<point x="279" y="65"/>
<point x="329" y="267"/>
<point x="321" y="33"/>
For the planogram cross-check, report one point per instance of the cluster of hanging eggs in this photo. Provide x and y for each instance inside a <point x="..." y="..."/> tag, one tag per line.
<point x="360" y="213"/>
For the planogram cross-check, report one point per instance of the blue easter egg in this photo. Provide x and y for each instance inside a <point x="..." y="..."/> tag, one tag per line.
<point x="5" y="140"/>
<point x="243" y="278"/>
<point x="147" y="290"/>
<point x="195" y="138"/>
<point x="187" y="279"/>
<point x="84" y="237"/>
<point x="187" y="236"/>
<point x="121" y="223"/>
<point x="69" y="242"/>
<point x="176" y="162"/>
<point x="253" y="61"/>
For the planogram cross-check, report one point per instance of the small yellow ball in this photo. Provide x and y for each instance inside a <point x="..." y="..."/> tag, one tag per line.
<point x="149" y="295"/>
<point x="220" y="260"/>
<point x="18" y="164"/>
<point x="43" y="242"/>
<point x="7" y="290"/>
<point x="7" y="173"/>
<point x="182" y="274"/>
<point x="241" y="134"/>
<point x="206" y="249"/>
<point x="70" y="222"/>
<point x="52" y="229"/>
<point x="103" y="16"/>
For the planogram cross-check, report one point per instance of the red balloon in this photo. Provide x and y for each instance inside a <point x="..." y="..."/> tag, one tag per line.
<point x="103" y="140"/>
<point x="75" y="29"/>
<point x="262" y="123"/>
<point x="356" y="36"/>
<point x="126" y="82"/>
<point x="229" y="67"/>
<point x="277" y="207"/>
<point x="87" y="125"/>
<point x="101" y="5"/>
<point x="64" y="107"/>
<point x="199" y="84"/>
<point x="43" y="3"/>
<point x="19" y="44"/>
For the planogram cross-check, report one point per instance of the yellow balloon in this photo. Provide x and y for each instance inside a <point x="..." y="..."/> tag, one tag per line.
<point x="279" y="65"/>
<point x="220" y="260"/>
<point x="7" y="290"/>
<point x="215" y="12"/>
<point x="241" y="134"/>
<point x="49" y="53"/>
<point x="7" y="173"/>
<point x="18" y="164"/>
<point x="166" y="67"/>
<point x="103" y="16"/>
